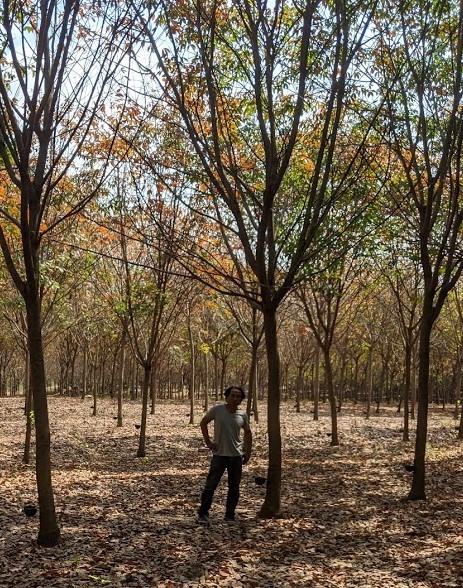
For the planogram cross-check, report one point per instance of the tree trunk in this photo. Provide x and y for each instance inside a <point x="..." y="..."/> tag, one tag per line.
<point x="413" y="385"/>
<point x="222" y="375"/>
<point x="154" y="384"/>
<point x="27" y="441"/>
<point x="316" y="383"/>
<point x="417" y="491"/>
<point x="460" y="428"/>
<point x="84" y="370"/>
<point x="113" y="376"/>
<point x="95" y="388"/>
<point x="342" y="384"/>
<point x="299" y="384"/>
<point x="272" y="502"/>
<point x="369" y="381"/>
<point x="255" y="406"/>
<point x="252" y="380"/>
<point x="216" y="377"/>
<point x="458" y="381"/>
<point x="73" y="371"/>
<point x="49" y="533"/>
<point x="332" y="399"/>
<point x="144" y="410"/>
<point x="206" y="383"/>
<point x="192" y="371"/>
<point x="408" y="362"/>
<point x="120" y="376"/>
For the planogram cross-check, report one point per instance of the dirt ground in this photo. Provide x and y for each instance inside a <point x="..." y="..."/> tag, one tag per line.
<point x="127" y="521"/>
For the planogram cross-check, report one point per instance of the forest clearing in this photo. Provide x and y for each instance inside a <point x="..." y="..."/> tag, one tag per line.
<point x="195" y="193"/>
<point x="128" y="521"/>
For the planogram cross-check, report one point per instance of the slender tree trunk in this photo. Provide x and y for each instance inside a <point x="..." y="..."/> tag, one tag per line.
<point x="216" y="377"/>
<point x="120" y="376"/>
<point x="73" y="371"/>
<point x="458" y="381"/>
<point x="144" y="410"/>
<point x="342" y="384"/>
<point x="369" y="381"/>
<point x="255" y="405"/>
<point x="251" y="407"/>
<point x="299" y="384"/>
<point x="153" y="385"/>
<point x="192" y="371"/>
<point x="222" y="376"/>
<point x="316" y="384"/>
<point x="413" y="385"/>
<point x="95" y="388"/>
<point x="206" y="383"/>
<point x="272" y="503"/>
<point x="332" y="399"/>
<point x="84" y="370"/>
<point x="408" y="362"/>
<point x="49" y="533"/>
<point x="252" y="380"/>
<point x="27" y="441"/>
<point x="133" y="379"/>
<point x="417" y="491"/>
<point x="460" y="428"/>
<point x="113" y="376"/>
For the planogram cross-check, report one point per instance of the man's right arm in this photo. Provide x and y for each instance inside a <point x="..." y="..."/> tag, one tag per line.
<point x="207" y="418"/>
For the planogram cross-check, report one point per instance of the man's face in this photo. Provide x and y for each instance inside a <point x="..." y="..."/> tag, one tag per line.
<point x="234" y="398"/>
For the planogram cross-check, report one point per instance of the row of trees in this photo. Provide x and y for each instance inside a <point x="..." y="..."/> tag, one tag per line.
<point x="85" y="347"/>
<point x="271" y="152"/>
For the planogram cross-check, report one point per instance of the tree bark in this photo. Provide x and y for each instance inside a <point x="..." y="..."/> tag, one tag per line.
<point x="120" y="376"/>
<point x="369" y="381"/>
<point x="84" y="369"/>
<point x="206" y="381"/>
<point x="408" y="362"/>
<point x="154" y="383"/>
<point x="255" y="405"/>
<point x="417" y="491"/>
<point x="95" y="388"/>
<point x="144" y="411"/>
<point x="316" y="383"/>
<point x="192" y="370"/>
<point x="272" y="502"/>
<point x="49" y="533"/>
<point x="460" y="427"/>
<point x="252" y="381"/>
<point x="332" y="398"/>
<point x="27" y="441"/>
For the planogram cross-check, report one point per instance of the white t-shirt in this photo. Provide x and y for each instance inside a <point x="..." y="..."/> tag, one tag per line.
<point x="227" y="428"/>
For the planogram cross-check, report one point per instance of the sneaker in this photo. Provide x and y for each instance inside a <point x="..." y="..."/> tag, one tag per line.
<point x="230" y="519"/>
<point x="203" y="520"/>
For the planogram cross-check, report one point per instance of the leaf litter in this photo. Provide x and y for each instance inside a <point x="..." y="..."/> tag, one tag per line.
<point x="128" y="521"/>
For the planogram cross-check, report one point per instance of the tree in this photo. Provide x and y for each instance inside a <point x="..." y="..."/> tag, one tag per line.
<point x="251" y="330"/>
<point x="321" y="299"/>
<point x="404" y="281"/>
<point x="453" y="327"/>
<point x="55" y="74"/>
<point x="151" y="293"/>
<point x="245" y="79"/>
<point x="419" y="69"/>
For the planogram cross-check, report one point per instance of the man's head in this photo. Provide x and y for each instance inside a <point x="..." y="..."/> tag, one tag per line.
<point x="236" y="392"/>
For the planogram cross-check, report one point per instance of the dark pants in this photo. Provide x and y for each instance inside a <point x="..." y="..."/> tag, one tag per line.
<point x="234" y="467"/>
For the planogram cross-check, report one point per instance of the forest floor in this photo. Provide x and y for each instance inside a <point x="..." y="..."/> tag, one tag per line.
<point x="128" y="521"/>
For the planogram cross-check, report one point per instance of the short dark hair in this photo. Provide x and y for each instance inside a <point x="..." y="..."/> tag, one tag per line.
<point x="230" y="388"/>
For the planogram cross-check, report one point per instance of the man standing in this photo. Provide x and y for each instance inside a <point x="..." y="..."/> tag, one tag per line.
<point x="229" y="451"/>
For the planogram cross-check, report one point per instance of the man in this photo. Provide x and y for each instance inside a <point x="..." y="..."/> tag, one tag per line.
<point x="229" y="451"/>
